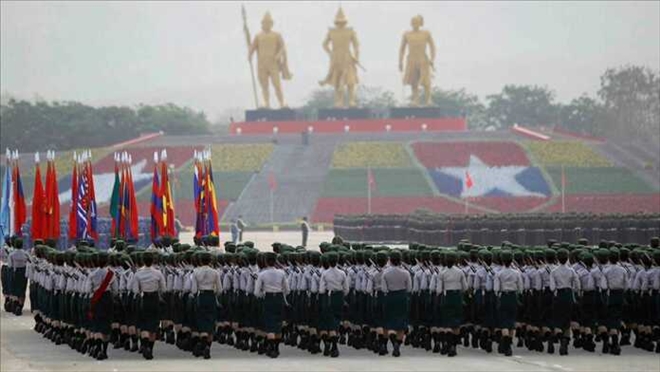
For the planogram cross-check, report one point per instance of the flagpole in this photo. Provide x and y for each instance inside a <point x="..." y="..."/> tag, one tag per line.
<point x="272" y="206"/>
<point x="563" y="190"/>
<point x="369" y="190"/>
<point x="466" y="204"/>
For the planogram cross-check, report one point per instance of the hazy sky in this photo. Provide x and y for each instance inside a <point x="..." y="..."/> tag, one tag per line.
<point x="195" y="54"/>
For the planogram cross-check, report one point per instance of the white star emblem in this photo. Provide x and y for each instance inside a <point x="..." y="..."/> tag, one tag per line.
<point x="486" y="179"/>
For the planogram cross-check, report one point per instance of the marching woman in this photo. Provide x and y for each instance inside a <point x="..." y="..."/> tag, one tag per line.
<point x="334" y="285"/>
<point x="565" y="284"/>
<point x="148" y="282"/>
<point x="451" y="283"/>
<point x="272" y="287"/>
<point x="397" y="285"/>
<point x="207" y="284"/>
<point x="100" y="308"/>
<point x="508" y="284"/>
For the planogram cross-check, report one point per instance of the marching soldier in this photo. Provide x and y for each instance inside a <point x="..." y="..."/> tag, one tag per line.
<point x="333" y="286"/>
<point x="149" y="283"/>
<point x="271" y="287"/>
<point x="396" y="286"/>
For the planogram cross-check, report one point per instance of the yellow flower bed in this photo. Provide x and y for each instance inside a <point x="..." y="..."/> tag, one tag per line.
<point x="370" y="154"/>
<point x="567" y="153"/>
<point x="240" y="157"/>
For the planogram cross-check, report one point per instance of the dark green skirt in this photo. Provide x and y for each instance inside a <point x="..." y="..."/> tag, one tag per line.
<point x="273" y="313"/>
<point x="331" y="310"/>
<point x="508" y="310"/>
<point x="562" y="308"/>
<point x="206" y="312"/>
<point x="19" y="282"/>
<point x="149" y="312"/>
<point x="588" y="308"/>
<point x="614" y="309"/>
<point x="395" y="310"/>
<point x="452" y="309"/>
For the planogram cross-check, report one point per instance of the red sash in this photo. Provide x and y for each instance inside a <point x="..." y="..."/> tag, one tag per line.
<point x="99" y="293"/>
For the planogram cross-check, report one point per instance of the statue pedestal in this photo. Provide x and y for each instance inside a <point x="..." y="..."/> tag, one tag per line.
<point x="354" y="113"/>
<point x="420" y="112"/>
<point x="285" y="114"/>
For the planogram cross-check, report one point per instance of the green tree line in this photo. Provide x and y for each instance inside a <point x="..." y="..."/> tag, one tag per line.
<point x="627" y="105"/>
<point x="31" y="126"/>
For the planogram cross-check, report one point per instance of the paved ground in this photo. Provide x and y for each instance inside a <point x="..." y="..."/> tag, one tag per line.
<point x="24" y="350"/>
<point x="264" y="239"/>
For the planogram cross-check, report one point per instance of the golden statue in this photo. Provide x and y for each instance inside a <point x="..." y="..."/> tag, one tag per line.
<point x="271" y="60"/>
<point x="418" y="65"/>
<point x="343" y="72"/>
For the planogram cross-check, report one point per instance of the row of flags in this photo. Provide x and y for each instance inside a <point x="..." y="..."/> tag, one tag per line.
<point x="204" y="195"/>
<point x="162" y="202"/>
<point x="13" y="211"/>
<point x="123" y="204"/>
<point x="45" y="201"/>
<point x="82" y="212"/>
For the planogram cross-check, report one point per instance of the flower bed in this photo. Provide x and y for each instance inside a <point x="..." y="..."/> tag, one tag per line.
<point x="240" y="157"/>
<point x="566" y="153"/>
<point x="389" y="182"/>
<point x="370" y="154"/>
<point x="457" y="154"/>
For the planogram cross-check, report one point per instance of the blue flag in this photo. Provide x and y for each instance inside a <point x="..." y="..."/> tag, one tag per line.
<point x="4" y="203"/>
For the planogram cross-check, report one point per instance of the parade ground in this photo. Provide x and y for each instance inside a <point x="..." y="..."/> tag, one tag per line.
<point x="25" y="350"/>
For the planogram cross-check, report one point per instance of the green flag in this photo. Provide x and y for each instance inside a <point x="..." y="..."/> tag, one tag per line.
<point x="114" y="204"/>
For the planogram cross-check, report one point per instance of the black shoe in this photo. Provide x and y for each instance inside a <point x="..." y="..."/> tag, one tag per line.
<point x="615" y="348"/>
<point x="551" y="347"/>
<point x="207" y="352"/>
<point x="326" y="347"/>
<point x="452" y="351"/>
<point x="475" y="340"/>
<point x="507" y="346"/>
<point x="589" y="344"/>
<point x="563" y="346"/>
<point x="396" y="346"/>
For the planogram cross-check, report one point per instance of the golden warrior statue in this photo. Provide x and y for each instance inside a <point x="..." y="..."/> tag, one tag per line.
<point x="343" y="72"/>
<point x="418" y="65"/>
<point x="271" y="60"/>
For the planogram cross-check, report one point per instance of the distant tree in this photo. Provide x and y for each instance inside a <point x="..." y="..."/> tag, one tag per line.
<point x="41" y="125"/>
<point x="583" y="115"/>
<point x="523" y="105"/>
<point x="461" y="103"/>
<point x="631" y="96"/>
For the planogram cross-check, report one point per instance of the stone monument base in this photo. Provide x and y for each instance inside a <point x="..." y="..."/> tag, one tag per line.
<point x="284" y="114"/>
<point x="421" y="112"/>
<point x="353" y="113"/>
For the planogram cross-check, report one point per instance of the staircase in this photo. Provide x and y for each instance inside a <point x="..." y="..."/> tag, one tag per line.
<point x="299" y="172"/>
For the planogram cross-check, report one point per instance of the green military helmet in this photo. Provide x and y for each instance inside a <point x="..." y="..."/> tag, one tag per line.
<point x="587" y="258"/>
<point x="506" y="256"/>
<point x="381" y="258"/>
<point x="583" y="242"/>
<point x="655" y="242"/>
<point x="562" y="254"/>
<point x="396" y="255"/>
<point x="550" y="254"/>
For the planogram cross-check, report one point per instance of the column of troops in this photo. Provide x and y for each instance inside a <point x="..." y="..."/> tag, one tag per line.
<point x="366" y="297"/>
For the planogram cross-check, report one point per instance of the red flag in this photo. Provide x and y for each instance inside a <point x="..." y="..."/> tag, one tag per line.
<point x="371" y="180"/>
<point x="272" y="181"/>
<point x="52" y="203"/>
<point x="19" y="202"/>
<point x="73" y="217"/>
<point x="134" y="209"/>
<point x="92" y="216"/>
<point x="168" y="203"/>
<point x="468" y="180"/>
<point x="38" y="216"/>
